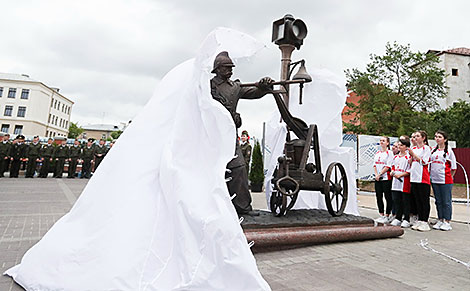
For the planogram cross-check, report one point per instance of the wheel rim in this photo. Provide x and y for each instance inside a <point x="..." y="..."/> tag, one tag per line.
<point x="336" y="189"/>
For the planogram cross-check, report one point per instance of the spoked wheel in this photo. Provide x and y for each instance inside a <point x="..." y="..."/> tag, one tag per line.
<point x="336" y="189"/>
<point x="278" y="203"/>
<point x="281" y="203"/>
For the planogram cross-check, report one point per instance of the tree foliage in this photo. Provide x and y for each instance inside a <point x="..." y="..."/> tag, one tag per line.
<point x="116" y="134"/>
<point x="74" y="130"/>
<point x="454" y="120"/>
<point x="256" y="173"/>
<point x="394" y="88"/>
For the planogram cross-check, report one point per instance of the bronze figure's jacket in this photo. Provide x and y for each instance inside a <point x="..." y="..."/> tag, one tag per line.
<point x="228" y="93"/>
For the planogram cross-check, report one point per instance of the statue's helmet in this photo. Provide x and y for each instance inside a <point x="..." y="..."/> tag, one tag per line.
<point x="222" y="60"/>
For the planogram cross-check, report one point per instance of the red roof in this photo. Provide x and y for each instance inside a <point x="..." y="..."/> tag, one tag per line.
<point x="456" y="51"/>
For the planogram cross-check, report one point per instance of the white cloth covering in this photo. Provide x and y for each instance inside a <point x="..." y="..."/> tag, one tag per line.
<point x="157" y="214"/>
<point x="323" y="100"/>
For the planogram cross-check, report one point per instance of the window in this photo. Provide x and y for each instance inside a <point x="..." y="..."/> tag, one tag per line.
<point x="21" y="111"/>
<point x="69" y="111"/>
<point x="8" y="110"/>
<point x="103" y="136"/>
<point x="455" y="72"/>
<point x="5" y="128"/>
<point x="25" y="94"/>
<point x="52" y="102"/>
<point x="1" y="91"/>
<point x="55" y="104"/>
<point x="18" y="129"/>
<point x="12" y="93"/>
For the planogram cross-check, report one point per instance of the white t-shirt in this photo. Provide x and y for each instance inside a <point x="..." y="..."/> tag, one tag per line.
<point x="419" y="172"/>
<point x="400" y="164"/>
<point x="383" y="159"/>
<point x="441" y="166"/>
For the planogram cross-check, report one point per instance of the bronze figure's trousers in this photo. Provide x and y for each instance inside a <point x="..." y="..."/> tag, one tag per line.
<point x="239" y="185"/>
<point x="31" y="168"/>
<point x="46" y="164"/>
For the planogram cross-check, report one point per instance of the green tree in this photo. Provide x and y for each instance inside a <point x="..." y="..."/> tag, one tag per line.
<point x="257" y="173"/>
<point x="116" y="134"/>
<point x="74" y="130"/>
<point x="394" y="88"/>
<point x="454" y="120"/>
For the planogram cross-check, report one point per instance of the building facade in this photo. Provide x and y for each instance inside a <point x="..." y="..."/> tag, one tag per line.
<point x="456" y="63"/>
<point x="100" y="131"/>
<point x="29" y="107"/>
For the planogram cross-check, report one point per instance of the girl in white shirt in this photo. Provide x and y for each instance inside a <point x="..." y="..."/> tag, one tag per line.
<point x="443" y="168"/>
<point x="420" y="180"/>
<point x="383" y="181"/>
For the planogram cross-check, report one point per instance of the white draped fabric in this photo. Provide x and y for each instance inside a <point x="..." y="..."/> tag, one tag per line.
<point x="323" y="100"/>
<point x="163" y="221"/>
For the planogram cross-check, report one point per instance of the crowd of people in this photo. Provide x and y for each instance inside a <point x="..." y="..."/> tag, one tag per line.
<point x="404" y="176"/>
<point x="40" y="159"/>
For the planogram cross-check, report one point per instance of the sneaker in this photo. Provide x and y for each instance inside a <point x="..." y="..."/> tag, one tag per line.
<point x="416" y="225"/>
<point x="446" y="226"/>
<point x="395" y="222"/>
<point x="413" y="219"/>
<point x="437" y="225"/>
<point x="405" y="224"/>
<point x="391" y="218"/>
<point x="424" y="226"/>
<point x="381" y="219"/>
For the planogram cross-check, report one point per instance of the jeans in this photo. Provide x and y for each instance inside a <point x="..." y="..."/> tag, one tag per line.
<point x="443" y="195"/>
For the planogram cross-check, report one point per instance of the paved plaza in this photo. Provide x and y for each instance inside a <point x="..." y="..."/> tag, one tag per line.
<point x="29" y="207"/>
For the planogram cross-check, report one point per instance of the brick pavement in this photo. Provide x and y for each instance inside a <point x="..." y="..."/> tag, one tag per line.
<point x="29" y="207"/>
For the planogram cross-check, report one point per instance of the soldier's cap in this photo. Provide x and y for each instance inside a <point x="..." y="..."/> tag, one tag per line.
<point x="245" y="133"/>
<point x="20" y="136"/>
<point x="7" y="134"/>
<point x="36" y="136"/>
<point x="91" y="139"/>
<point x="222" y="60"/>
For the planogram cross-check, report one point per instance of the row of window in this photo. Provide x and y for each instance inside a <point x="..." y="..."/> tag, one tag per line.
<point x="18" y="129"/>
<point x="59" y="122"/>
<point x="53" y="133"/>
<point x="9" y="111"/>
<point x="12" y="93"/>
<point x="56" y="104"/>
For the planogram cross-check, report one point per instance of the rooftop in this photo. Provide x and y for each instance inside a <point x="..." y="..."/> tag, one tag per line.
<point x="456" y="51"/>
<point x="16" y="77"/>
<point x="102" y="127"/>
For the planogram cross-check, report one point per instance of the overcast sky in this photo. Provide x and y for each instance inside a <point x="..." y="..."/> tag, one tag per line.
<point x="107" y="56"/>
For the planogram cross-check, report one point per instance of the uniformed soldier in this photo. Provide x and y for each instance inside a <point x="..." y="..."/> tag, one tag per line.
<point x="61" y="153"/>
<point x="33" y="154"/>
<point x="100" y="153"/>
<point x="75" y="152"/>
<point x="228" y="93"/>
<point x="88" y="153"/>
<point x="17" y="155"/>
<point x="5" y="146"/>
<point x="245" y="146"/>
<point x="47" y="151"/>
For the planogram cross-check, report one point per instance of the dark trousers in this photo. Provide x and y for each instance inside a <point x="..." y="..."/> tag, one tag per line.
<point x="31" y="168"/>
<point x="384" y="188"/>
<point x="59" y="168"/>
<point x="421" y="193"/>
<point x="15" y="168"/>
<point x="413" y="207"/>
<point x="3" y="165"/>
<point x="97" y="162"/>
<point x="86" y="169"/>
<point x="46" y="165"/>
<point x="239" y="185"/>
<point x="401" y="201"/>
<point x="72" y="168"/>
